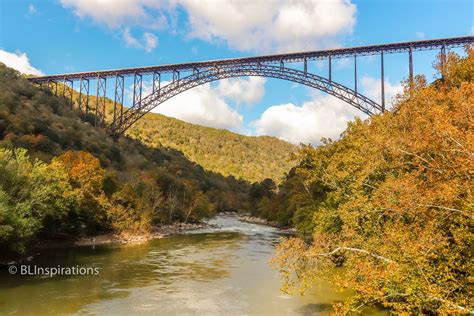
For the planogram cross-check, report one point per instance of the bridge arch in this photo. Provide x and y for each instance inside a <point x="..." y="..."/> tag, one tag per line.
<point x="133" y="114"/>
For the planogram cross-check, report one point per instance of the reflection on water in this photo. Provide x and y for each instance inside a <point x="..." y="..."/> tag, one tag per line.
<point x="217" y="271"/>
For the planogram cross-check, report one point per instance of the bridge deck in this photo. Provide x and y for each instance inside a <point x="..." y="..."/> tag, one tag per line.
<point x="286" y="58"/>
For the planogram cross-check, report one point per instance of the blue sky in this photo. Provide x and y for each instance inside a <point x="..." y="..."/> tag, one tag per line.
<point x="57" y="36"/>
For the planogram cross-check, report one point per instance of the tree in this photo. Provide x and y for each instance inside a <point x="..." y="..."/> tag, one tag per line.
<point x="396" y="207"/>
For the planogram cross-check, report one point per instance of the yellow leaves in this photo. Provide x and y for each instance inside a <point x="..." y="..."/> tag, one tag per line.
<point x="401" y="184"/>
<point x="83" y="169"/>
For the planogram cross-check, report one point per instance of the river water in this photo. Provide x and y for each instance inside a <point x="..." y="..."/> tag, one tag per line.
<point x="215" y="271"/>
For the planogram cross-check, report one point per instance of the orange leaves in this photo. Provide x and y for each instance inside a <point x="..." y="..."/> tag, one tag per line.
<point x="402" y="186"/>
<point x="83" y="170"/>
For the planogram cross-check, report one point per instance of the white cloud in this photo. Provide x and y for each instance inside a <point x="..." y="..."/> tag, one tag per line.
<point x="119" y="13"/>
<point x="324" y="116"/>
<point x="19" y="62"/>
<point x="278" y="25"/>
<point x="248" y="90"/>
<point x="207" y="104"/>
<point x="201" y="105"/>
<point x="31" y="9"/>
<point x="148" y="42"/>
<point x="420" y="35"/>
<point x="372" y="89"/>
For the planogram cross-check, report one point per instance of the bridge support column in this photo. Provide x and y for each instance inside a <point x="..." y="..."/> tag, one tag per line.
<point x="157" y="81"/>
<point x="330" y="70"/>
<point x="118" y="99"/>
<point x="382" y="80"/>
<point x="355" y="73"/>
<point x="137" y="89"/>
<point x="443" y="60"/>
<point x="64" y="87"/>
<point x="305" y="67"/>
<point x="53" y="87"/>
<point x="84" y="95"/>
<point x="176" y="76"/>
<point x="68" y="91"/>
<point x="282" y="65"/>
<point x="100" y="101"/>
<point x="410" y="67"/>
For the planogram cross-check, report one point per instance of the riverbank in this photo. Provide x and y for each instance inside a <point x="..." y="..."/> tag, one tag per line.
<point x="131" y="239"/>
<point x="157" y="232"/>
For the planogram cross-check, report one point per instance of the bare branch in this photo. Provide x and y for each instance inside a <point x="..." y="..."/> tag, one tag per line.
<point x="462" y="308"/>
<point x="356" y="250"/>
<point x="443" y="208"/>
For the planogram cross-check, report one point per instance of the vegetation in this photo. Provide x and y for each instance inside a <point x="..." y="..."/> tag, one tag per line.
<point x="61" y="177"/>
<point x="391" y="202"/>
<point x="249" y="158"/>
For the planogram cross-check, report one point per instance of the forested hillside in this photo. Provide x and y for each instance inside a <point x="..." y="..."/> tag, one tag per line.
<point x="250" y="158"/>
<point x="391" y="201"/>
<point x="61" y="177"/>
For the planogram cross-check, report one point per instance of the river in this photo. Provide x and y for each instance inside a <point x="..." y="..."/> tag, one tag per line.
<point x="213" y="271"/>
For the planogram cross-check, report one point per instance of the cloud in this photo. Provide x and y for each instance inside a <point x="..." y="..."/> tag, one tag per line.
<point x="203" y="105"/>
<point x="19" y="62"/>
<point x="208" y="104"/>
<point x="324" y="116"/>
<point x="31" y="9"/>
<point x="120" y="13"/>
<point x="248" y="90"/>
<point x="420" y="35"/>
<point x="278" y="25"/>
<point x="148" y="42"/>
<point x="262" y="26"/>
<point x="371" y="89"/>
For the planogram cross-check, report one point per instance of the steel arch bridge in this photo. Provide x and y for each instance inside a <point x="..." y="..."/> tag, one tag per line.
<point x="199" y="73"/>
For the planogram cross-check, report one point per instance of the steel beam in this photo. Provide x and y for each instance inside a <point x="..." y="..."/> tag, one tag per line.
<point x="118" y="99"/>
<point x="274" y="59"/>
<point x="382" y="81"/>
<point x="137" y="90"/>
<point x="359" y="101"/>
<point x="100" y="101"/>
<point x="68" y="91"/>
<point x="83" y="95"/>
<point x="157" y="82"/>
<point x="64" y="87"/>
<point x="355" y="74"/>
<point x="175" y="75"/>
<point x="443" y="60"/>
<point x="410" y="66"/>
<point x="330" y="66"/>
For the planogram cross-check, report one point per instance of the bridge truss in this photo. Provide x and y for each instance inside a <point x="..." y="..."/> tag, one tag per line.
<point x="198" y="73"/>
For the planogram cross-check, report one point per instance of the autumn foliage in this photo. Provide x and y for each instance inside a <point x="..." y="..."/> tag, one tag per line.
<point x="392" y="203"/>
<point x="61" y="178"/>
